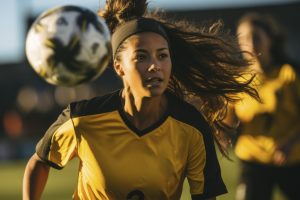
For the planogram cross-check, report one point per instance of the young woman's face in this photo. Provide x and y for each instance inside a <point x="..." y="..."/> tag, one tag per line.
<point x="256" y="41"/>
<point x="145" y="64"/>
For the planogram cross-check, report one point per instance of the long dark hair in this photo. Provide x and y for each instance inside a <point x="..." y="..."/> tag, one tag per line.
<point x="207" y="62"/>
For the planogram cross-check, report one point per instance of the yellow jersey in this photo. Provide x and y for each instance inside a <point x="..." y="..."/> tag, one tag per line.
<point x="118" y="161"/>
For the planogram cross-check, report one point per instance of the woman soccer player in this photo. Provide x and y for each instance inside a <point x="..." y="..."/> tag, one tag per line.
<point x="142" y="141"/>
<point x="269" y="144"/>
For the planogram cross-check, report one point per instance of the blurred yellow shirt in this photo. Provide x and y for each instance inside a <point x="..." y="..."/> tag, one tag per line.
<point x="272" y="122"/>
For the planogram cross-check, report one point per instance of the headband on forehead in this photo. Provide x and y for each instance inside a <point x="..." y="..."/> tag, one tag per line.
<point x="133" y="27"/>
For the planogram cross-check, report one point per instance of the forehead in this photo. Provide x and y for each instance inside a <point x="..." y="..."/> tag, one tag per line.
<point x="147" y="40"/>
<point x="244" y="28"/>
<point x="247" y="28"/>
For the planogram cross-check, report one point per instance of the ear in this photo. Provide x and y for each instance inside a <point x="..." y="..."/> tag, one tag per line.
<point x="118" y="68"/>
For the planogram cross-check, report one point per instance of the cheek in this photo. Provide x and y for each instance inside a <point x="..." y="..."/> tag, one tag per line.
<point x="133" y="73"/>
<point x="245" y="43"/>
<point x="134" y="70"/>
<point x="168" y="68"/>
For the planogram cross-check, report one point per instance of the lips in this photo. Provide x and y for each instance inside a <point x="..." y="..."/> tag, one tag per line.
<point x="153" y="81"/>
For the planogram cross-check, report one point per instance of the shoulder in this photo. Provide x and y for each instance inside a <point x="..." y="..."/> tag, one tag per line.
<point x="188" y="114"/>
<point x="97" y="105"/>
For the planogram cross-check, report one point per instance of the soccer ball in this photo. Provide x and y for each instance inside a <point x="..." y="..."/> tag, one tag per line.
<point x="68" y="45"/>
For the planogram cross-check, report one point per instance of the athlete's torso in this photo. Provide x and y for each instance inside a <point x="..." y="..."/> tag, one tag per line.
<point x="117" y="161"/>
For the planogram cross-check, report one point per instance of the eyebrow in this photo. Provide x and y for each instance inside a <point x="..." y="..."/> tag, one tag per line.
<point x="145" y="51"/>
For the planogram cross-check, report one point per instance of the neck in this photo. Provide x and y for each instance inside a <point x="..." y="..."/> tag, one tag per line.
<point x="143" y="111"/>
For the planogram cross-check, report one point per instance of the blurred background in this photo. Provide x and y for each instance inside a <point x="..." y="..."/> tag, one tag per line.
<point x="28" y="105"/>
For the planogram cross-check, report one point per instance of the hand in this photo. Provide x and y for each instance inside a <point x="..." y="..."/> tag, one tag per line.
<point x="279" y="158"/>
<point x="281" y="154"/>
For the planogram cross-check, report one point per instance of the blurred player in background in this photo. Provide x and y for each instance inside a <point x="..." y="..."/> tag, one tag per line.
<point x="142" y="141"/>
<point x="269" y="141"/>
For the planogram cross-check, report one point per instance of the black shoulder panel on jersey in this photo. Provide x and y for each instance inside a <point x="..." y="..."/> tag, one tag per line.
<point x="43" y="146"/>
<point x="97" y="105"/>
<point x="188" y="114"/>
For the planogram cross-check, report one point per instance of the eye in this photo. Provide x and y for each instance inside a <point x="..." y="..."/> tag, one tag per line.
<point x="139" y="57"/>
<point x="163" y="55"/>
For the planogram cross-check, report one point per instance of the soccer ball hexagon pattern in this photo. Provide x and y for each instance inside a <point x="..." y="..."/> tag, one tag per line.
<point x="68" y="45"/>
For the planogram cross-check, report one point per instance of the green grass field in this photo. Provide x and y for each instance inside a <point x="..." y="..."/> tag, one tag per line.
<point x="61" y="183"/>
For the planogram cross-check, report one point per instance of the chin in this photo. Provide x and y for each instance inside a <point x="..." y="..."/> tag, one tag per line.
<point x="154" y="92"/>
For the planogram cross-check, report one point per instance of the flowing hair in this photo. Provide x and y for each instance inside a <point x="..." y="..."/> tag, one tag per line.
<point x="208" y="67"/>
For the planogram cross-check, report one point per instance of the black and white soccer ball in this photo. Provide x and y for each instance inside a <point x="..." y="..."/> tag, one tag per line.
<point x="68" y="45"/>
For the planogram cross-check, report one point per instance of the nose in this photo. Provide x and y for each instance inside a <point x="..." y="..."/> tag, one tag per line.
<point x="154" y="68"/>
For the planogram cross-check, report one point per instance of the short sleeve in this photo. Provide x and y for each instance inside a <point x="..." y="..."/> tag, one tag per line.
<point x="59" y="143"/>
<point x="203" y="170"/>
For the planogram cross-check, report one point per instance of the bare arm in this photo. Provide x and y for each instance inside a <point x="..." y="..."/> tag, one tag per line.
<point x="35" y="178"/>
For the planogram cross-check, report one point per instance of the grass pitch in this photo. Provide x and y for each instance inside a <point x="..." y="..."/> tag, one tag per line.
<point x="61" y="183"/>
